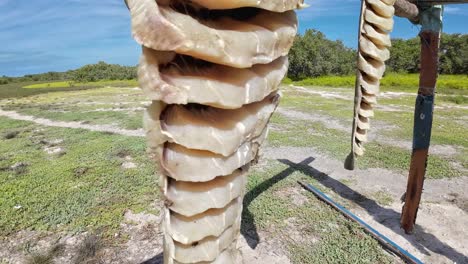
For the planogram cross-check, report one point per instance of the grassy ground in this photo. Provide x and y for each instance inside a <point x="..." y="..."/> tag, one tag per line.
<point x="394" y="125"/>
<point x="107" y="105"/>
<point x="83" y="186"/>
<point x="14" y="90"/>
<point x="312" y="231"/>
<point x="70" y="84"/>
<point x="391" y="81"/>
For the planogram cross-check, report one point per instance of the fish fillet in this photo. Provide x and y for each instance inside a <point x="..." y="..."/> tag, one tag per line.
<point x="372" y="67"/>
<point x="212" y="70"/>
<point x="241" y="44"/>
<point x="207" y="249"/>
<point x="231" y="255"/>
<point x="375" y="23"/>
<point x="383" y="23"/>
<point x="272" y="5"/>
<point x="382" y="9"/>
<point x="180" y="163"/>
<point x="191" y="198"/>
<point x="377" y="36"/>
<point x="186" y="230"/>
<point x="217" y="130"/>
<point x="217" y="85"/>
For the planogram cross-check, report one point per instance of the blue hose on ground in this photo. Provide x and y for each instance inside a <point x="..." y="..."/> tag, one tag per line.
<point x="387" y="243"/>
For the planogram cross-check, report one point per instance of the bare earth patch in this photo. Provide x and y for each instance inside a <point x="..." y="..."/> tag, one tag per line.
<point x="268" y="251"/>
<point x="128" y="163"/>
<point x="340" y="93"/>
<point x="48" y="122"/>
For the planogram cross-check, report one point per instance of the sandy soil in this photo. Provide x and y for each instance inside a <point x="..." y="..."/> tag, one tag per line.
<point x="52" y="123"/>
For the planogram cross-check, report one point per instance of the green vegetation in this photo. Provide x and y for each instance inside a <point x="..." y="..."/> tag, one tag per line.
<point x="313" y="231"/>
<point x="72" y="180"/>
<point x="383" y="198"/>
<point x="453" y="55"/>
<point x="93" y="106"/>
<point x="15" y="90"/>
<point x="396" y="127"/>
<point x="391" y="81"/>
<point x="313" y="55"/>
<point x="81" y="187"/>
<point x="87" y="73"/>
<point x="335" y="143"/>
<point x="101" y="83"/>
<point x="104" y="71"/>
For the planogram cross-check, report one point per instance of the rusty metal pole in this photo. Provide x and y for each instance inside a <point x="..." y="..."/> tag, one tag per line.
<point x="431" y="22"/>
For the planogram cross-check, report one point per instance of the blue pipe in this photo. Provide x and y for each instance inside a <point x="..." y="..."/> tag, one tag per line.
<point x="408" y="257"/>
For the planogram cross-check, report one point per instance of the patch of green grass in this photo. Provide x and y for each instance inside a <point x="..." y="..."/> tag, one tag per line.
<point x="457" y="99"/>
<point x="411" y="81"/>
<point x="333" y="81"/>
<point x="63" y="84"/>
<point x="287" y="81"/>
<point x="336" y="144"/>
<point x="95" y="106"/>
<point x="382" y="198"/>
<point x="448" y="128"/>
<point x="16" y="90"/>
<point x="324" y="235"/>
<point x="59" y="199"/>
<point x="445" y="129"/>
<point x="393" y="81"/>
<point x="68" y="84"/>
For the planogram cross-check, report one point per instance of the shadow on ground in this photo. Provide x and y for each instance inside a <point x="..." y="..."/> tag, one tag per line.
<point x="158" y="259"/>
<point x="423" y="241"/>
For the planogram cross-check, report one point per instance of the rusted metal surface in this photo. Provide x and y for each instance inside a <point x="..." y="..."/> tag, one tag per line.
<point x="431" y="20"/>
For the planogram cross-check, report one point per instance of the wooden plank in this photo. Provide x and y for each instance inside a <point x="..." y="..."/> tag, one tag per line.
<point x="438" y="2"/>
<point x="431" y="20"/>
<point x="406" y="9"/>
<point x="414" y="189"/>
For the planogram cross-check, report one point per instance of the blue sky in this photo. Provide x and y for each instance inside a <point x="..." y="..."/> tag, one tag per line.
<point x="57" y="35"/>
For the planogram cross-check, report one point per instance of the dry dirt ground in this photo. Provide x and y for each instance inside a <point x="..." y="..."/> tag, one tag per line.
<point x="441" y="234"/>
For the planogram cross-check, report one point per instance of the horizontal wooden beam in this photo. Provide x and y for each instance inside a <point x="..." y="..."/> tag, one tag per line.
<point x="403" y="8"/>
<point x="439" y="2"/>
<point x="409" y="8"/>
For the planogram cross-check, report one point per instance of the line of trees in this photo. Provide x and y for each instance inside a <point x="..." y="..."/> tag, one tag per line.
<point x="87" y="73"/>
<point x="104" y="71"/>
<point x="312" y="55"/>
<point x="453" y="57"/>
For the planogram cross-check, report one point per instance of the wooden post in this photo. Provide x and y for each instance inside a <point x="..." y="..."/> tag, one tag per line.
<point x="431" y="22"/>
